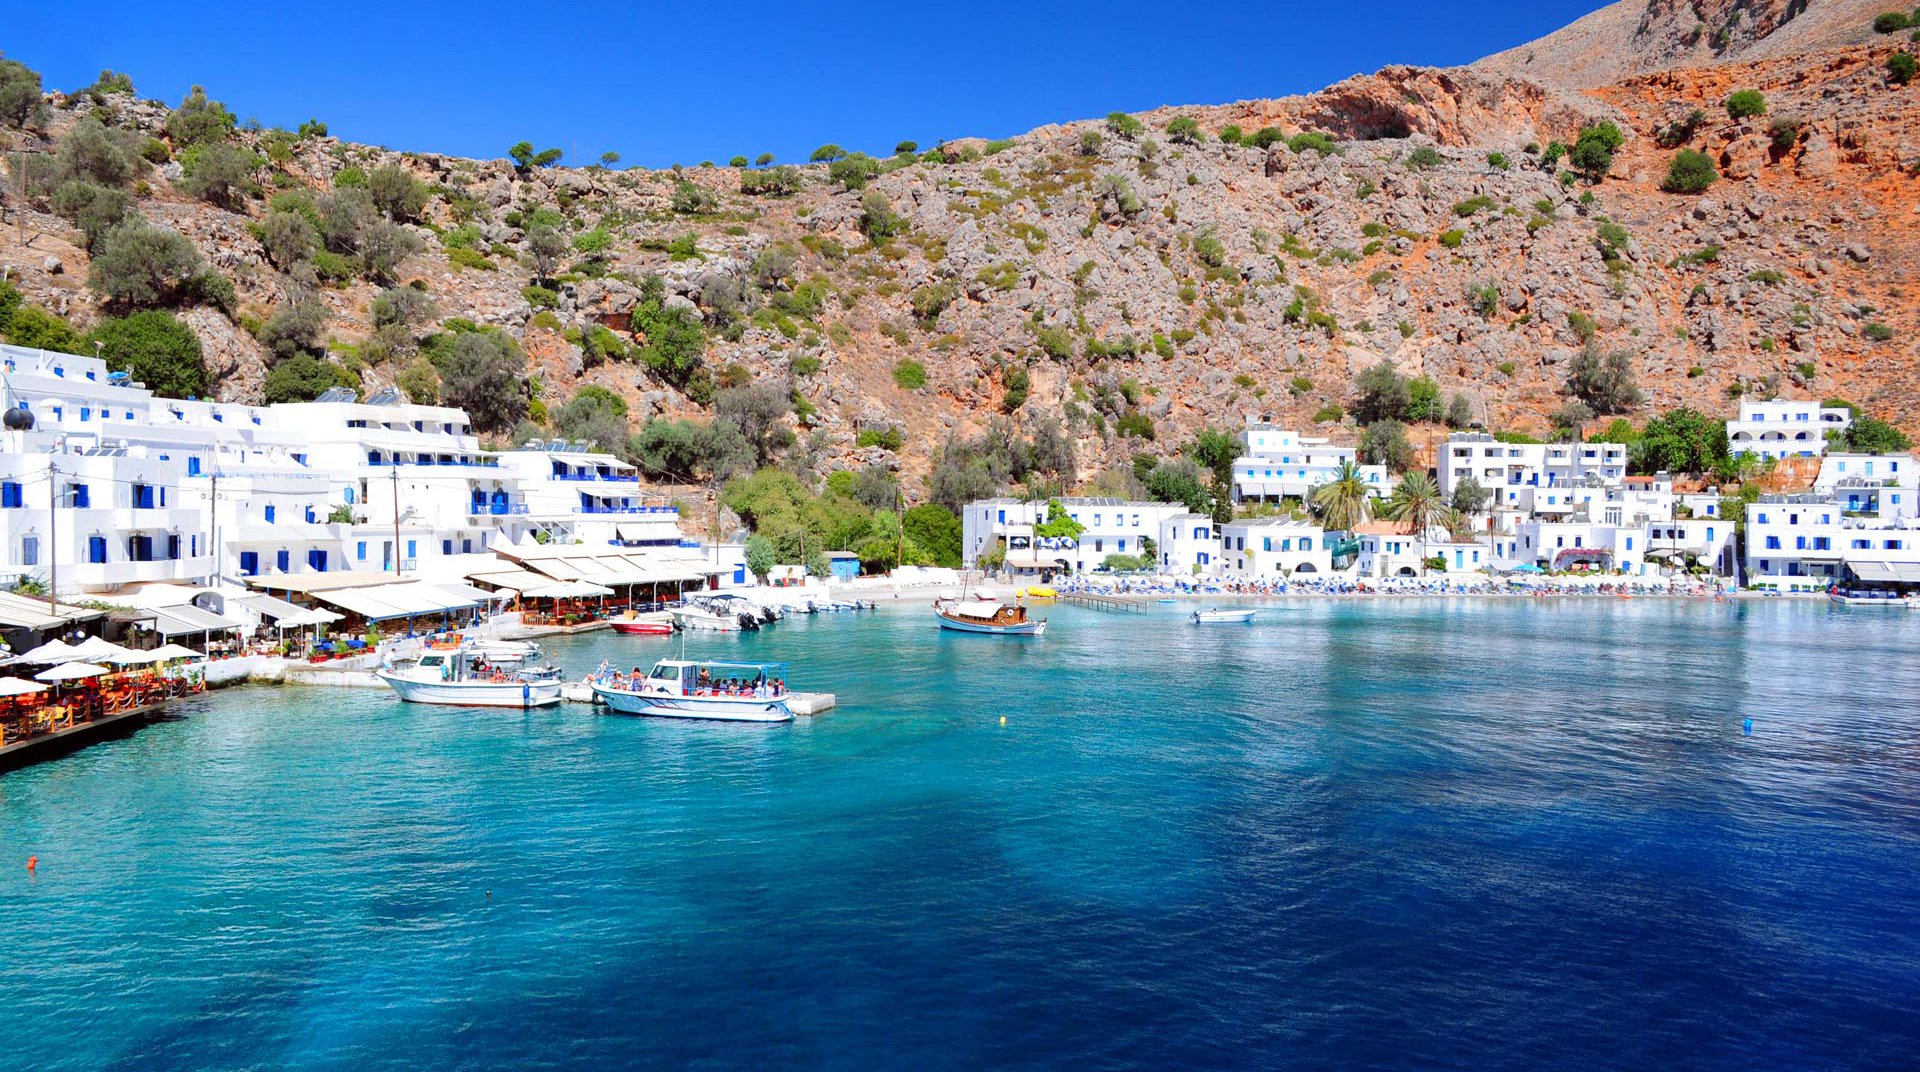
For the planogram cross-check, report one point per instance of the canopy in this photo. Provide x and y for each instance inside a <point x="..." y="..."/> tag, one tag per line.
<point x="95" y="649"/>
<point x="26" y="612"/>
<point x="316" y="616"/>
<point x="268" y="606"/>
<point x="53" y="651"/>
<point x="513" y="580"/>
<point x="1886" y="572"/>
<point x="567" y="590"/>
<point x="403" y="600"/>
<point x="648" y="531"/>
<point x="13" y="686"/>
<point x="136" y="658"/>
<point x="1527" y="567"/>
<point x="187" y="618"/>
<point x="70" y="672"/>
<point x="175" y="651"/>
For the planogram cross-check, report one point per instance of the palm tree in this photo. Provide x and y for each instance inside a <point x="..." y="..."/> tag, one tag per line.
<point x="1342" y="501"/>
<point x="1417" y="502"/>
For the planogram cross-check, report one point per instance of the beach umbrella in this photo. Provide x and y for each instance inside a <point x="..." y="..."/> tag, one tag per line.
<point x="135" y="658"/>
<point x="70" y="672"/>
<point x="13" y="686"/>
<point x="53" y="651"/>
<point x="175" y="651"/>
<point x="94" y="649"/>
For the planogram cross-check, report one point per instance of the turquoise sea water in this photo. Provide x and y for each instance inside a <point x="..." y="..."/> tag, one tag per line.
<point x="1394" y="835"/>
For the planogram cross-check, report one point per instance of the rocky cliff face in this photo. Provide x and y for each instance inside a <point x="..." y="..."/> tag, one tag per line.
<point x="1192" y="281"/>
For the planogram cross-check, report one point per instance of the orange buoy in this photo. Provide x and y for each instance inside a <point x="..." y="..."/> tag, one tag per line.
<point x="33" y="862"/>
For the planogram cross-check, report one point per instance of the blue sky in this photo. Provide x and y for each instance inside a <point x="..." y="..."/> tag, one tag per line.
<point x="662" y="83"/>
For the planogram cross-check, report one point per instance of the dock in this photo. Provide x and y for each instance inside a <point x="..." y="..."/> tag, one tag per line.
<point x="70" y="738"/>
<point x="1097" y="601"/>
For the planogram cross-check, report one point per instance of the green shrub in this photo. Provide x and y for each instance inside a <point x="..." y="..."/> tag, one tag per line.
<point x="1424" y="158"/>
<point x="1689" y="172"/>
<point x="1331" y="413"/>
<point x="1877" y="332"/>
<point x="468" y="258"/>
<point x="771" y="182"/>
<point x="1746" y="102"/>
<point x="1472" y="205"/>
<point x="199" y="121"/>
<point x="1315" y="140"/>
<point x="1499" y="160"/>
<point x="1484" y="298"/>
<point x="141" y="264"/>
<point x="540" y="297"/>
<point x="1593" y="151"/>
<point x="1452" y="239"/>
<point x="1900" y="68"/>
<point x="1122" y="125"/>
<point x="1891" y="22"/>
<point x="1266" y="137"/>
<point x="155" y="349"/>
<point x="909" y="374"/>
<point x="931" y="299"/>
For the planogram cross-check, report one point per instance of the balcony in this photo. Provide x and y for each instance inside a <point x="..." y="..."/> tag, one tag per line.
<point x="496" y="509"/>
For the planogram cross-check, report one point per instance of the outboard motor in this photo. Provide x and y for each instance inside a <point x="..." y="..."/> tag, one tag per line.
<point x="748" y="621"/>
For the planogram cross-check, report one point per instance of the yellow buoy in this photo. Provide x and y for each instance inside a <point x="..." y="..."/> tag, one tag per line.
<point x="1003" y="720"/>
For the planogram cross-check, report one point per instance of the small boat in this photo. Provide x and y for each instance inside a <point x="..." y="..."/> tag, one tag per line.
<point x="703" y="616"/>
<point x="1040" y="591"/>
<point x="468" y="677"/>
<point x="679" y="688"/>
<point x="634" y="624"/>
<point x="1867" y="598"/>
<point x="987" y="616"/>
<point x="1222" y="617"/>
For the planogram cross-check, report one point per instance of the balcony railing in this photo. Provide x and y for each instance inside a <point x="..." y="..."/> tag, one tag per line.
<point x="496" y="509"/>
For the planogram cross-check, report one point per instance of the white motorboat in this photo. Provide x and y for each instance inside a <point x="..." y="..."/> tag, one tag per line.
<point x="1223" y="617"/>
<point x="467" y="677"/>
<point x="1861" y="597"/>
<point x="702" y="615"/>
<point x="723" y="691"/>
<point x="987" y="616"/>
<point x="739" y="604"/>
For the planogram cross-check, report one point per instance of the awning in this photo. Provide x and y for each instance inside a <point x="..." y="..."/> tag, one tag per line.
<point x="567" y="590"/>
<point x="404" y="600"/>
<point x="1886" y="572"/>
<point x="268" y="606"/>
<point x="26" y="612"/>
<point x="187" y="618"/>
<point x="320" y="582"/>
<point x="648" y="531"/>
<point x="517" y="580"/>
<point x="467" y="592"/>
<point x="13" y="686"/>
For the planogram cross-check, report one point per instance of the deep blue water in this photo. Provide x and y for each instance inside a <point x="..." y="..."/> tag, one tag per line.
<point x="1385" y="835"/>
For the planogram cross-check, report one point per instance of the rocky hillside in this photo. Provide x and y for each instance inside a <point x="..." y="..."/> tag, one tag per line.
<point x="1132" y="279"/>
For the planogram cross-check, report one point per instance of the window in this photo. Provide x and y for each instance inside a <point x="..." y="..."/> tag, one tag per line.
<point x="173" y="546"/>
<point x="250" y="563"/>
<point x="360" y="550"/>
<point x="283" y="560"/>
<point x="317" y="560"/>
<point x="143" y="496"/>
<point x="267" y="513"/>
<point x="1629" y="543"/>
<point x="96" y="549"/>
<point x="1773" y="543"/>
<point x="446" y="547"/>
<point x="193" y="465"/>
<point x="82" y="498"/>
<point x="10" y="496"/>
<point x="29" y="550"/>
<point x="1892" y="545"/>
<point x="411" y="552"/>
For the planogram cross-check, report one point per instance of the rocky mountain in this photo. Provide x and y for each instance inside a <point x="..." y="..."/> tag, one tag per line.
<point x="1133" y="278"/>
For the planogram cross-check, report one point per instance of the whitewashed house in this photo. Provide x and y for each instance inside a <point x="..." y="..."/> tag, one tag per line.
<point x="1807" y="542"/>
<point x="1277" y="463"/>
<point x="1785" y="429"/>
<point x="1275" y="548"/>
<point x="1189" y="546"/>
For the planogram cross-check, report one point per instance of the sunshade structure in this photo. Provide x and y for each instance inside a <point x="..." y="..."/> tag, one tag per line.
<point x="94" y="649"/>
<point x="566" y="590"/>
<point x="406" y="599"/>
<point x="53" y="651"/>
<point x="13" y="686"/>
<point x="135" y="658"/>
<point x="26" y="612"/>
<point x="175" y="651"/>
<point x="1886" y="572"/>
<point x="70" y="672"/>
<point x="188" y="619"/>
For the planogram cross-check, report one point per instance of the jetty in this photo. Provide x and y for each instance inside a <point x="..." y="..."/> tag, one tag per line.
<point x="1103" y="601"/>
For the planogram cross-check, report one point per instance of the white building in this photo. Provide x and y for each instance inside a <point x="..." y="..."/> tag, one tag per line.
<point x="1189" y="545"/>
<point x="1277" y="463"/>
<point x="159" y="489"/>
<point x="1869" y="483"/>
<point x="1521" y="475"/>
<point x="1275" y="548"/>
<point x="1785" y="429"/>
<point x="1808" y="542"/>
<point x="1110" y="526"/>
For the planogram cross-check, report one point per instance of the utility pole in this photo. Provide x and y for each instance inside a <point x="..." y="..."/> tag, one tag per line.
<point x="397" y="560"/>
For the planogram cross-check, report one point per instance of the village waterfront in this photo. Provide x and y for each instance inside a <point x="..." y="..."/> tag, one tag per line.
<point x="1437" y="833"/>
